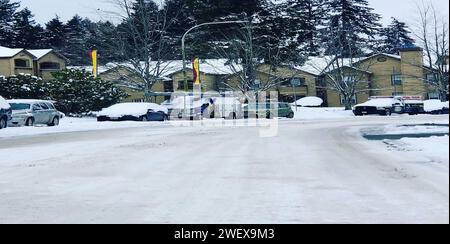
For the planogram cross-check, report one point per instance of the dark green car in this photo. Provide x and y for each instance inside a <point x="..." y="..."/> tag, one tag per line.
<point x="268" y="110"/>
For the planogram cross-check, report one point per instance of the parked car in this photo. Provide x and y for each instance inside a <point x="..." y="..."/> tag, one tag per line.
<point x="27" y="112"/>
<point x="5" y="113"/>
<point x="268" y="110"/>
<point x="436" y="106"/>
<point x="414" y="107"/>
<point x="379" y="105"/>
<point x="133" y="112"/>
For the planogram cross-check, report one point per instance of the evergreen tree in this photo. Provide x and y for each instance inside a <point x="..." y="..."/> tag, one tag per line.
<point x="395" y="36"/>
<point x="55" y="33"/>
<point x="7" y="10"/>
<point x="26" y="34"/>
<point x="351" y="27"/>
<point x="75" y="48"/>
<point x="305" y="17"/>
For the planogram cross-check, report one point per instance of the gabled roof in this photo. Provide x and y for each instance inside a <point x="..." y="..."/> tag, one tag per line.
<point x="6" y="52"/>
<point x="39" y="53"/>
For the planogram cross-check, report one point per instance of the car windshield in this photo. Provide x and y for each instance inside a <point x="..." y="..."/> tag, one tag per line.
<point x="20" y="106"/>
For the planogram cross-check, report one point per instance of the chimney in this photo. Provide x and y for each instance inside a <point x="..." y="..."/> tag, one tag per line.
<point x="412" y="71"/>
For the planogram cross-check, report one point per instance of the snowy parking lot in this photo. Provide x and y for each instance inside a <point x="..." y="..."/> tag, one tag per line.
<point x="317" y="169"/>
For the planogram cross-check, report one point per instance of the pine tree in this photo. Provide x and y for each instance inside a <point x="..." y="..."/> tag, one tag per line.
<point x="7" y="10"/>
<point x="55" y="33"/>
<point x="351" y="27"/>
<point x="395" y="36"/>
<point x="75" y="48"/>
<point x="26" y="34"/>
<point x="305" y="17"/>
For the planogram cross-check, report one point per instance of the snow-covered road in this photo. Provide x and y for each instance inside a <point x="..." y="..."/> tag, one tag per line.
<point x="312" y="172"/>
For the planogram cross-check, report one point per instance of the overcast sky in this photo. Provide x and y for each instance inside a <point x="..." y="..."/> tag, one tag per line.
<point x="44" y="10"/>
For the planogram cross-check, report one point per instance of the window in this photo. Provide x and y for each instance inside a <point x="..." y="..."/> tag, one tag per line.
<point x="295" y="82"/>
<point x="21" y="63"/>
<point x="434" y="95"/>
<point x="50" y="106"/>
<point x="349" y="79"/>
<point x="36" y="107"/>
<point x="20" y="106"/>
<point x="430" y="78"/>
<point x="396" y="80"/>
<point x="44" y="106"/>
<point x="181" y="85"/>
<point x="353" y="100"/>
<point x="50" y="66"/>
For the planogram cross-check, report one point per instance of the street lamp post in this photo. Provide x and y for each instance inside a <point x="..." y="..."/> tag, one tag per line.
<point x="184" y="38"/>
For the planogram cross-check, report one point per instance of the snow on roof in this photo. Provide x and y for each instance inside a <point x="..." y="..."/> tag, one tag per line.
<point x="168" y="68"/>
<point x="4" y="104"/>
<point x="28" y="101"/>
<point x="320" y="65"/>
<point x="39" y="53"/>
<point x="6" y="52"/>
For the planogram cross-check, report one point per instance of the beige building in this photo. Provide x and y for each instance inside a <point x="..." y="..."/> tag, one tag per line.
<point x="212" y="74"/>
<point x="41" y="63"/>
<point x="288" y="82"/>
<point x="390" y="75"/>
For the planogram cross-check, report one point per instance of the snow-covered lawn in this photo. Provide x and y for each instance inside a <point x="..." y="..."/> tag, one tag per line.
<point x="321" y="113"/>
<point x="432" y="149"/>
<point x="69" y="124"/>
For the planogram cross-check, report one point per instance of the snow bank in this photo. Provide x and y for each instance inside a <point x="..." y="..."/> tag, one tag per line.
<point x="70" y="124"/>
<point x="4" y="104"/>
<point x="433" y="148"/>
<point x="309" y="102"/>
<point x="321" y="113"/>
<point x="133" y="109"/>
<point x="418" y="129"/>
<point x="379" y="102"/>
<point x="434" y="105"/>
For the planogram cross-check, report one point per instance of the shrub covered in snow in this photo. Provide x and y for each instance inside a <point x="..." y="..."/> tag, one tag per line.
<point x="74" y="91"/>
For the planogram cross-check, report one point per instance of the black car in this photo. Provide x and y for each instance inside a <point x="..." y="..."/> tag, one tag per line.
<point x="5" y="113"/>
<point x="133" y="112"/>
<point x="379" y="106"/>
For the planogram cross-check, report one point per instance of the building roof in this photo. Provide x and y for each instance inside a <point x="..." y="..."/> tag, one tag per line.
<point x="6" y="52"/>
<point x="39" y="53"/>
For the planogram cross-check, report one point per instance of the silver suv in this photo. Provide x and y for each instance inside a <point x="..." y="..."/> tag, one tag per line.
<point x="28" y="112"/>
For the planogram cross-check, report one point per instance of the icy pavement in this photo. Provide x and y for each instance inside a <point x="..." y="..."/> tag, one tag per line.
<point x="312" y="172"/>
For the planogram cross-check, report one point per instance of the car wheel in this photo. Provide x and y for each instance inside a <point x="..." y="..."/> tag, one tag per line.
<point x="55" y="122"/>
<point x="29" y="122"/>
<point x="144" y="119"/>
<point x="388" y="112"/>
<point x="290" y="115"/>
<point x="3" y="123"/>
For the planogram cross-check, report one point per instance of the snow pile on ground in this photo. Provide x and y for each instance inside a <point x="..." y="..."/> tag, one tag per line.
<point x="434" y="105"/>
<point x="134" y="109"/>
<point x="321" y="113"/>
<point x="69" y="124"/>
<point x="415" y="129"/>
<point x="4" y="104"/>
<point x="309" y="102"/>
<point x="434" y="149"/>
